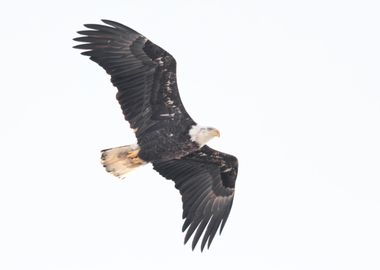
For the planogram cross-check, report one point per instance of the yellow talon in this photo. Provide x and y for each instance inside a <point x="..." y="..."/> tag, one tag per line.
<point x="133" y="154"/>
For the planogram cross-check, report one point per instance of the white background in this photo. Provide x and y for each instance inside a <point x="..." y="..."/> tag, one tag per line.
<point x="292" y="85"/>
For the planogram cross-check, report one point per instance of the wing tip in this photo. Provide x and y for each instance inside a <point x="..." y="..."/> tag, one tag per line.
<point x="89" y="25"/>
<point x="106" y="21"/>
<point x="118" y="25"/>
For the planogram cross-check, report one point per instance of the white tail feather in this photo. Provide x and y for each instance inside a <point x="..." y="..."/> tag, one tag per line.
<point x="121" y="160"/>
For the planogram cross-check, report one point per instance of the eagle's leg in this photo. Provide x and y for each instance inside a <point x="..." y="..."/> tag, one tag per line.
<point x="133" y="154"/>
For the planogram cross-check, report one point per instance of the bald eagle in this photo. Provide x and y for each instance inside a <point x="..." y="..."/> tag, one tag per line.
<point x="167" y="137"/>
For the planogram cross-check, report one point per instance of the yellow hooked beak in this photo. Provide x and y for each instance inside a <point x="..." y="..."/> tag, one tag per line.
<point x="215" y="133"/>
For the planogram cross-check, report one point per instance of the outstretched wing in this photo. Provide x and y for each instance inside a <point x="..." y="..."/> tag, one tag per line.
<point x="144" y="74"/>
<point x="206" y="181"/>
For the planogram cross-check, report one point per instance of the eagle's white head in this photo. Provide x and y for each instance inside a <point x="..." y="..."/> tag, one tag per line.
<point x="202" y="135"/>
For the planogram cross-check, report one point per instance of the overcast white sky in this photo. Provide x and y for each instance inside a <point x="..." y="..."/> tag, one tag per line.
<point x="293" y="86"/>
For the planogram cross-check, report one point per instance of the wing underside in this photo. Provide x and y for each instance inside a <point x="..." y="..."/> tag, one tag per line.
<point x="144" y="74"/>
<point x="206" y="181"/>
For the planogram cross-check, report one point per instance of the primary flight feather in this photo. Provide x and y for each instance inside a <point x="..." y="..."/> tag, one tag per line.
<point x="167" y="137"/>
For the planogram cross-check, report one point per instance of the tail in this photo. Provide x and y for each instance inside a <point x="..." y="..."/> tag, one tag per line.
<point x="121" y="160"/>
